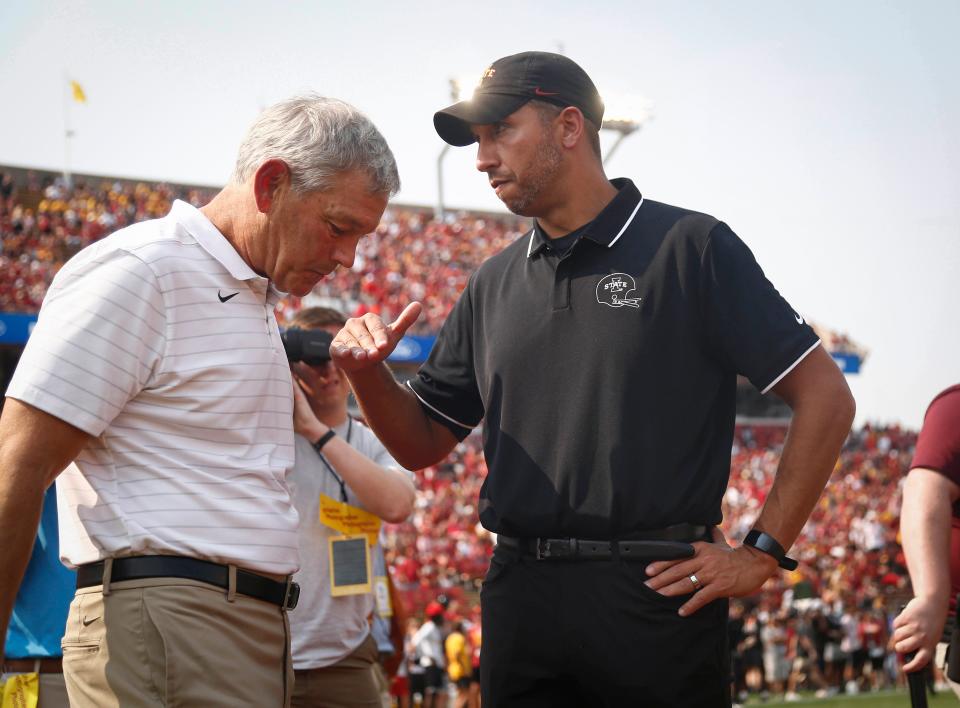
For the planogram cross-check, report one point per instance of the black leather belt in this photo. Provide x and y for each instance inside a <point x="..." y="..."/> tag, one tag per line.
<point x="40" y="665"/>
<point x="282" y="594"/>
<point x="668" y="543"/>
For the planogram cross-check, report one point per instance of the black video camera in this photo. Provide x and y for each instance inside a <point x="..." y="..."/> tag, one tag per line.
<point x="311" y="346"/>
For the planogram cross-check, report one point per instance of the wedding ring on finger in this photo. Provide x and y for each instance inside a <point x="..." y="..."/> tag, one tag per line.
<point x="696" y="582"/>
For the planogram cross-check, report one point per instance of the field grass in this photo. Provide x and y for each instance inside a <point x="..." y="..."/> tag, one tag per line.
<point x="882" y="699"/>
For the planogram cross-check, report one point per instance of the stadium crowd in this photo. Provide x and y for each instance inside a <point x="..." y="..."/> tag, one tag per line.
<point x="823" y="627"/>
<point x="44" y="223"/>
<point x="411" y="256"/>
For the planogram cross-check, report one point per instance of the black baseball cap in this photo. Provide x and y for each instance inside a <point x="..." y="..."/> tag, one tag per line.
<point x="512" y="81"/>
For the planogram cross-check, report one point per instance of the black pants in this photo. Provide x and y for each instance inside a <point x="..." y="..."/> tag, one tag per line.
<point x="590" y="633"/>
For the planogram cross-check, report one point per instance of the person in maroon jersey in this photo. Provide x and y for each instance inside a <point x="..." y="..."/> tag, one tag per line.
<point x="930" y="507"/>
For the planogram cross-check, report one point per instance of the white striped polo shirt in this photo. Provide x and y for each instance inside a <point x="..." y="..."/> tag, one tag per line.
<point x="161" y="342"/>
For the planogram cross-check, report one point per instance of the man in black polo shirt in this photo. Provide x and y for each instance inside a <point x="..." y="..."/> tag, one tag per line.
<point x="601" y="353"/>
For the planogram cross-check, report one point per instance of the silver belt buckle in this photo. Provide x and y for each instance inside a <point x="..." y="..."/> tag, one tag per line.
<point x="544" y="550"/>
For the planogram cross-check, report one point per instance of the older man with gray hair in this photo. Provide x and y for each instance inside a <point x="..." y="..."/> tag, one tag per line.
<point x="157" y="383"/>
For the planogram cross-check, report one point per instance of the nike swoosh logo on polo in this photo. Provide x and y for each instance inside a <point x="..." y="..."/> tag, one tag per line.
<point x="87" y="622"/>
<point x="224" y="299"/>
<point x="540" y="92"/>
<point x="798" y="317"/>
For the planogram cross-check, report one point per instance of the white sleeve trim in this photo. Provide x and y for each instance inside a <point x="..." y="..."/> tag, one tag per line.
<point x="438" y="412"/>
<point x="791" y="367"/>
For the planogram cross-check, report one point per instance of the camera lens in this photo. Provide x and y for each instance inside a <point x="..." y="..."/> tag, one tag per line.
<point x="311" y="346"/>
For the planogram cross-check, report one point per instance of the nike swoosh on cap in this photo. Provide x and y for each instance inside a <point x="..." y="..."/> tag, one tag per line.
<point x="540" y="92"/>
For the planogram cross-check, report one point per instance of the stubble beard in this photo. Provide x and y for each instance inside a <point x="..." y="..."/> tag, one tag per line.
<point x="546" y="163"/>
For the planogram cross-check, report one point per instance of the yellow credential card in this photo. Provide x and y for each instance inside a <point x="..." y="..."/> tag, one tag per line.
<point x="349" y="520"/>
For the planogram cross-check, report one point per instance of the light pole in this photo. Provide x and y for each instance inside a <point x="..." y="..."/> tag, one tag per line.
<point x="68" y="132"/>
<point x="455" y="96"/>
<point x="622" y="127"/>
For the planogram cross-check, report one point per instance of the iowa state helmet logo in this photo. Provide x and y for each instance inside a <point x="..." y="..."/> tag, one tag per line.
<point x="613" y="290"/>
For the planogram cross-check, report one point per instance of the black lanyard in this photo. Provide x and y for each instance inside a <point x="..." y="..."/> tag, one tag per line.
<point x="323" y="459"/>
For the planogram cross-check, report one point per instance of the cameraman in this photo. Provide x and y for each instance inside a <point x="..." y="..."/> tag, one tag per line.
<point x="332" y="647"/>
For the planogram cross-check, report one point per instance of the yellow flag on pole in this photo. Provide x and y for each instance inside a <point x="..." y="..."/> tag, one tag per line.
<point x="78" y="95"/>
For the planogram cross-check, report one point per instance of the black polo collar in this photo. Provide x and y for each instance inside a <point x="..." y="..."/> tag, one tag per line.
<point x="608" y="226"/>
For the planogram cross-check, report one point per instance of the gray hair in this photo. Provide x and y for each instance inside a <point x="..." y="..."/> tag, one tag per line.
<point x="318" y="138"/>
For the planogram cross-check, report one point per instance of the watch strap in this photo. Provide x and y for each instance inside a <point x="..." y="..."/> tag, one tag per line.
<point x="324" y="439"/>
<point x="769" y="545"/>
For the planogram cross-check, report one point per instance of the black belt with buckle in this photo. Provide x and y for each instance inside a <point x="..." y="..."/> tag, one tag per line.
<point x="670" y="543"/>
<point x="282" y="594"/>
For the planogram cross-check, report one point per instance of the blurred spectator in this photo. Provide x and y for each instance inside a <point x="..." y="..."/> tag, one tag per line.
<point x="427" y="645"/>
<point x="458" y="663"/>
<point x="803" y="655"/>
<point x="7" y="187"/>
<point x="775" y="665"/>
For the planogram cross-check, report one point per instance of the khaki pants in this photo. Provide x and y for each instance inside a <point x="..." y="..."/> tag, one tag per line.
<point x="175" y="642"/>
<point x="350" y="683"/>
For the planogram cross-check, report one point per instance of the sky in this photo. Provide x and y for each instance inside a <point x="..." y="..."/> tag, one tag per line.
<point x="826" y="133"/>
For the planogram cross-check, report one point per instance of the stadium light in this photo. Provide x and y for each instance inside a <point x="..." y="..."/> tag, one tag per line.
<point x="625" y="116"/>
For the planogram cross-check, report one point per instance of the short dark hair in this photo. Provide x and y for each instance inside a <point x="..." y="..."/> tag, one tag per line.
<point x="549" y="111"/>
<point x="317" y="317"/>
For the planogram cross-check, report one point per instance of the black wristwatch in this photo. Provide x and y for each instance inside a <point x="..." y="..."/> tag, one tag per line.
<point x="324" y="439"/>
<point x="769" y="545"/>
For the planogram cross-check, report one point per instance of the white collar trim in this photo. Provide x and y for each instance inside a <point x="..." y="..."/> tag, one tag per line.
<point x="212" y="241"/>
<point x="635" y="210"/>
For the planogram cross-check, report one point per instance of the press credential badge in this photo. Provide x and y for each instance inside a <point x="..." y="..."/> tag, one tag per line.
<point x="350" y="562"/>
